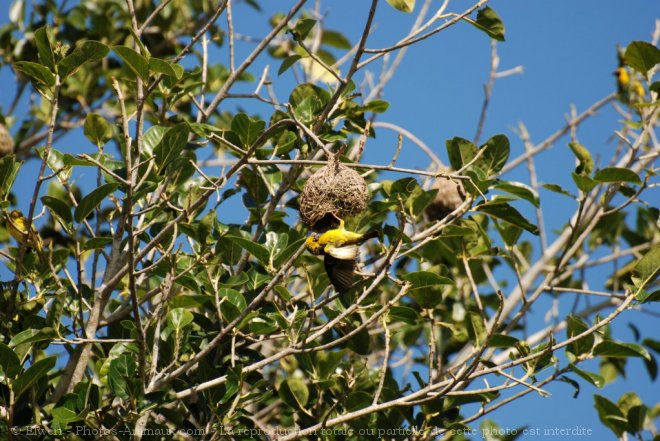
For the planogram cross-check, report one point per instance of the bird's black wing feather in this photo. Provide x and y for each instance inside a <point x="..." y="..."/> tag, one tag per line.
<point x="340" y="272"/>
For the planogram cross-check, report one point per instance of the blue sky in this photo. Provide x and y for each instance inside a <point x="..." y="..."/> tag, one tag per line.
<point x="567" y="50"/>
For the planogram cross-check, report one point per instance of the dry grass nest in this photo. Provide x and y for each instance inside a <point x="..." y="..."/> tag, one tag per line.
<point x="334" y="190"/>
<point x="6" y="142"/>
<point x="450" y="195"/>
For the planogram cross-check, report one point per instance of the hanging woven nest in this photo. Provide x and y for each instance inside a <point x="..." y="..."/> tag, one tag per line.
<point x="450" y="195"/>
<point x="6" y="142"/>
<point x="334" y="190"/>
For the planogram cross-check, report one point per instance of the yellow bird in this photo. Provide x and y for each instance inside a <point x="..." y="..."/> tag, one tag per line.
<point x="629" y="88"/>
<point x="340" y="250"/>
<point x="16" y="224"/>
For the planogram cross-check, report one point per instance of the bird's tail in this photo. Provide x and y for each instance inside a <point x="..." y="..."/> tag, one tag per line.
<point x="370" y="235"/>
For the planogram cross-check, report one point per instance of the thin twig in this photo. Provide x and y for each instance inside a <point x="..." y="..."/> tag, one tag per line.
<point x="488" y="89"/>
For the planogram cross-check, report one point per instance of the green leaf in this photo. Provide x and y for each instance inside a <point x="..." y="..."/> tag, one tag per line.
<point x="179" y="318"/>
<point x="509" y="214"/>
<point x="476" y="397"/>
<point x="44" y="48"/>
<point x="627" y="401"/>
<point x="360" y="343"/>
<point x="425" y="287"/>
<point x="257" y="250"/>
<point x="232" y="385"/>
<point x="642" y="56"/>
<point x="357" y="400"/>
<point x="136" y="62"/>
<point x="543" y="361"/>
<point x="403" y="314"/>
<point x="230" y="252"/>
<point x="66" y="413"/>
<point x="8" y="171"/>
<point x="308" y="109"/>
<point x="377" y="106"/>
<point x="165" y="68"/>
<point x="460" y="151"/>
<point x="502" y="341"/>
<point x="171" y="146"/>
<point x="247" y="129"/>
<point x="88" y="51"/>
<point x="97" y="129"/>
<point x="232" y="303"/>
<point x="576" y="326"/>
<point x="509" y="232"/>
<point x="327" y="362"/>
<point x="584" y="183"/>
<point x="417" y="199"/>
<point x="335" y="39"/>
<point x="477" y="328"/>
<point x="585" y="162"/>
<point x="644" y="296"/>
<point x="9" y="361"/>
<point x="152" y="138"/>
<point x="606" y="410"/>
<point x="305" y="90"/>
<point x="287" y="252"/>
<point x="21" y="342"/>
<point x="646" y="269"/>
<point x="282" y="292"/>
<point x="98" y="242"/>
<point x="617" y="174"/>
<point x="59" y="209"/>
<point x="204" y="130"/>
<point x="573" y="383"/>
<point x="294" y="392"/>
<point x="262" y="325"/>
<point x="636" y="417"/>
<point x="120" y="372"/>
<point x="521" y="190"/>
<point x="403" y="5"/>
<point x="489" y="22"/>
<point x="610" y="348"/>
<point x="92" y="200"/>
<point x="493" y="155"/>
<point x="592" y="378"/>
<point x="302" y="28"/>
<point x="557" y="189"/>
<point x="69" y="159"/>
<point x="33" y="374"/>
<point x="655" y="87"/>
<point x="31" y="336"/>
<point x="37" y="72"/>
<point x="287" y="63"/>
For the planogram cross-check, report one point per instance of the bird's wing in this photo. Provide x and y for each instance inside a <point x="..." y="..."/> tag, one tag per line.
<point x="349" y="252"/>
<point x="340" y="272"/>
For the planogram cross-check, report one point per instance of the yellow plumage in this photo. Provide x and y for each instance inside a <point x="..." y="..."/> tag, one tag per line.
<point x="340" y="249"/>
<point x="16" y="224"/>
<point x="630" y="89"/>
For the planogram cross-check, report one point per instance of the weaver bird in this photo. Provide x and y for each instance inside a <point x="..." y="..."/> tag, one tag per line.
<point x="630" y="89"/>
<point x="16" y="224"/>
<point x="340" y="250"/>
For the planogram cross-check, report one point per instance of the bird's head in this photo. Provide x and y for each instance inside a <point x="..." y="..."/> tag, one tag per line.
<point x="622" y="75"/>
<point x="15" y="214"/>
<point x="313" y="245"/>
